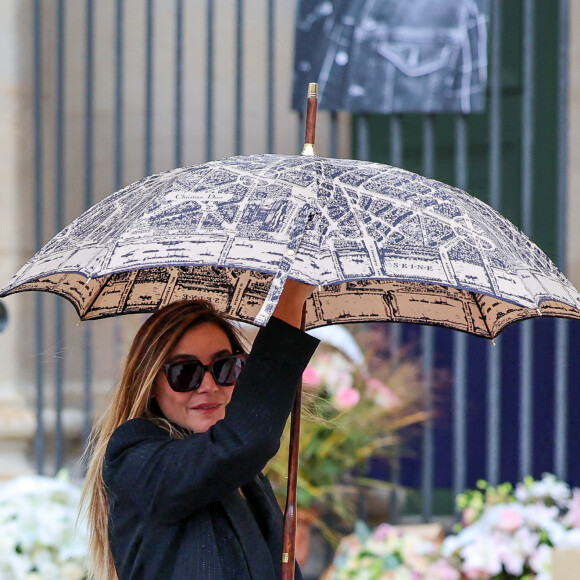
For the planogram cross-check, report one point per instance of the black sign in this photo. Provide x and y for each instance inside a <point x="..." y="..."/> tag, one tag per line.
<point x="392" y="56"/>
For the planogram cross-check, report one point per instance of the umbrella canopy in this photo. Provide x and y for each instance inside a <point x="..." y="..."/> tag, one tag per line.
<point x="383" y="243"/>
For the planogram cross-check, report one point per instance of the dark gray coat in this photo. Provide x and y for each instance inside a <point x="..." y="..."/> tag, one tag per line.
<point x="175" y="510"/>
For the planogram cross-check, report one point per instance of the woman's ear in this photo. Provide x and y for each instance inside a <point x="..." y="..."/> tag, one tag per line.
<point x="153" y="392"/>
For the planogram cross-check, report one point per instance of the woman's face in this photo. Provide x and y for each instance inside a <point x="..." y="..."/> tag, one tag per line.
<point x="200" y="409"/>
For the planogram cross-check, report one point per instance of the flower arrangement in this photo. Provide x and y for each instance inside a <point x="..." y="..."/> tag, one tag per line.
<point x="509" y="533"/>
<point x="348" y="417"/>
<point x="39" y="535"/>
<point x="506" y="533"/>
<point x="391" y="553"/>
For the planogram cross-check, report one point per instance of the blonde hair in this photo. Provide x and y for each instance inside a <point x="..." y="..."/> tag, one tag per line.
<point x="150" y="348"/>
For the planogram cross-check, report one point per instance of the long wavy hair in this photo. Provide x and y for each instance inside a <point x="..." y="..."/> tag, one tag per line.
<point x="131" y="398"/>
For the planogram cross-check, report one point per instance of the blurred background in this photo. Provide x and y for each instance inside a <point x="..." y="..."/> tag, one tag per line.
<point x="481" y="94"/>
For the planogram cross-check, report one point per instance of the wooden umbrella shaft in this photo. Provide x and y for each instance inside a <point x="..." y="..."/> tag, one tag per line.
<point x="310" y="131"/>
<point x="290" y="513"/>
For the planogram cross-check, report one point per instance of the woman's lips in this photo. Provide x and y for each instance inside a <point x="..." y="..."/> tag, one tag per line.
<point x="207" y="407"/>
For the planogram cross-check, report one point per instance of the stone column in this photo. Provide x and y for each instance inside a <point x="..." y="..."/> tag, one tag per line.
<point x="17" y="423"/>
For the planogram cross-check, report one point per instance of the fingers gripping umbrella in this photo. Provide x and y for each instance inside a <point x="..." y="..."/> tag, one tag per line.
<point x="382" y="244"/>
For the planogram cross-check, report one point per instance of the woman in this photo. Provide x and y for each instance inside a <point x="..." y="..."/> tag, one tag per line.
<point x="174" y="488"/>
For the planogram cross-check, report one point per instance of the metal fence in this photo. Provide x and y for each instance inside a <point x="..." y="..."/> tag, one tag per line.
<point x="125" y="88"/>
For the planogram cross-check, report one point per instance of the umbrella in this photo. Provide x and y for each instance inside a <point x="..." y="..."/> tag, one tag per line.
<point x="382" y="244"/>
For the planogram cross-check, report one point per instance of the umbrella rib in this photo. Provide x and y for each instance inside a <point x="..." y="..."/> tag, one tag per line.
<point x="87" y="307"/>
<point x="476" y="300"/>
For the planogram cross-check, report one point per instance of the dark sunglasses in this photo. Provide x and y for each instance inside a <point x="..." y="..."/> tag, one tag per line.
<point x="187" y="375"/>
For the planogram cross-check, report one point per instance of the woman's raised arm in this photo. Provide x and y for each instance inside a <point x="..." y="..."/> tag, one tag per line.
<point x="289" y="307"/>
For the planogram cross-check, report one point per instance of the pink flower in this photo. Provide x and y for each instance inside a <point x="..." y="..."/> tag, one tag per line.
<point x="469" y="515"/>
<point x="442" y="570"/>
<point x="382" y="532"/>
<point x="346" y="398"/>
<point x="509" y="520"/>
<point x="384" y="397"/>
<point x="311" y="377"/>
<point x="572" y="517"/>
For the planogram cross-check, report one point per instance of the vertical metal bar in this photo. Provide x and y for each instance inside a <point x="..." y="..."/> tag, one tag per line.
<point x="461" y="152"/>
<point x="428" y="348"/>
<point x="495" y="112"/>
<point x="428" y="155"/>
<point x="396" y="159"/>
<point x="59" y="224"/>
<point x="561" y="348"/>
<point x="209" y="82"/>
<point x="119" y="125"/>
<point x="301" y="128"/>
<point x="394" y="508"/>
<point x="562" y="135"/>
<point x="333" y="134"/>
<point x="178" y="83"/>
<point x="459" y="412"/>
<point x="89" y="109"/>
<point x="39" y="439"/>
<point x="493" y="412"/>
<point x="528" y="103"/>
<point x="270" y="77"/>
<point x="119" y="17"/>
<point x="363" y="137"/>
<point x="239" y="105"/>
<point x="526" y="328"/>
<point x="495" y="171"/>
<point x="561" y="339"/>
<point x="149" y="88"/>
<point x="460" y="339"/>
<point x="396" y="145"/>
<point x="428" y="443"/>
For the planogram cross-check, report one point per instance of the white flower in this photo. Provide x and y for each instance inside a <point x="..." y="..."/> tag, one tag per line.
<point x="39" y="539"/>
<point x="549" y="487"/>
<point x="451" y="545"/>
<point x="73" y="571"/>
<point x="542" y="517"/>
<point x="403" y="573"/>
<point x="481" y="557"/>
<point x="541" y="562"/>
<point x="568" y="540"/>
<point x="516" y="549"/>
<point x="336" y="372"/>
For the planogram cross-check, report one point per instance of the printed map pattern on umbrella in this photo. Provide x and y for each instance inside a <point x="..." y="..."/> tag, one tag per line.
<point x="233" y="230"/>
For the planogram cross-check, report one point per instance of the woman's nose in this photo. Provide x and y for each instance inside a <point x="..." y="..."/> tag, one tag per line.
<point x="207" y="383"/>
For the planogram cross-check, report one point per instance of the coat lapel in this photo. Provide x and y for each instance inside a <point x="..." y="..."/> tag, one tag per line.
<point x="257" y="554"/>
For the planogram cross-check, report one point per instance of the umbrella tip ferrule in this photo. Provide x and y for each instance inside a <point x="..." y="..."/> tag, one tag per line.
<point x="493" y="342"/>
<point x="308" y="150"/>
<point x="312" y="90"/>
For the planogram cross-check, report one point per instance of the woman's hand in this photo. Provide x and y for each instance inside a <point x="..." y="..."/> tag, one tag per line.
<point x="291" y="302"/>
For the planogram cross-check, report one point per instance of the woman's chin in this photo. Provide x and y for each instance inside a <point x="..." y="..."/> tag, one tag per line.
<point x="200" y="424"/>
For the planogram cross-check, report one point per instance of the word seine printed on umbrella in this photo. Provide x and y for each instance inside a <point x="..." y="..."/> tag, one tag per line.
<point x="383" y="244"/>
